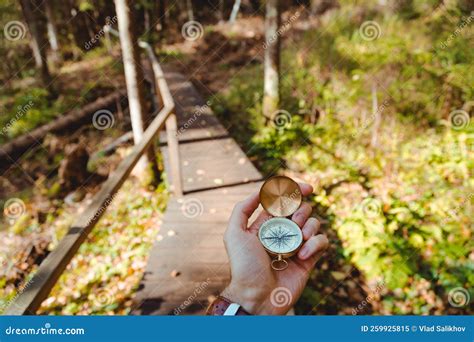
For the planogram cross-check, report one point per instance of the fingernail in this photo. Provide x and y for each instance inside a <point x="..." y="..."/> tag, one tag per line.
<point x="304" y="252"/>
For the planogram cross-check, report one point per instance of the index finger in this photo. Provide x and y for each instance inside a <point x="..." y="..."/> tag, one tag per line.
<point x="306" y="189"/>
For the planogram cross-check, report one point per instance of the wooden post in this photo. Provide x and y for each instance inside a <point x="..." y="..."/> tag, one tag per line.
<point x="173" y="153"/>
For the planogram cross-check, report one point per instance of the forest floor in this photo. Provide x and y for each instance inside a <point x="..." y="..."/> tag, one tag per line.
<point x="386" y="210"/>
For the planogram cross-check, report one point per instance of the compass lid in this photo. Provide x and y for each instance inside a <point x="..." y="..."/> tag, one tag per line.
<point x="280" y="196"/>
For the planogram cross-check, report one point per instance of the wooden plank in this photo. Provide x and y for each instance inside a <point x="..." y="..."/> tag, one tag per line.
<point x="212" y="163"/>
<point x="55" y="263"/>
<point x="180" y="298"/>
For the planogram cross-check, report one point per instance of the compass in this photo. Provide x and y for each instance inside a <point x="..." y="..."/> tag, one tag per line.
<point x="280" y="196"/>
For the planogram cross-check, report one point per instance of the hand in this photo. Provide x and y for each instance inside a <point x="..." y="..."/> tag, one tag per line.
<point x="254" y="284"/>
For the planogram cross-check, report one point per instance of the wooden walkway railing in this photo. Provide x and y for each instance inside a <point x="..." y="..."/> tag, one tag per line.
<point x="30" y="299"/>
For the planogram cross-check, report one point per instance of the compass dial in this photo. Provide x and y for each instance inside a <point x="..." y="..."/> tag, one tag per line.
<point x="280" y="236"/>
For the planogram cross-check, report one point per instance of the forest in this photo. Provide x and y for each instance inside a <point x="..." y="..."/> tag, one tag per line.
<point x="368" y="101"/>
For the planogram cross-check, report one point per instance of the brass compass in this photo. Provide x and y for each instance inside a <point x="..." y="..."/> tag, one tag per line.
<point x="280" y="196"/>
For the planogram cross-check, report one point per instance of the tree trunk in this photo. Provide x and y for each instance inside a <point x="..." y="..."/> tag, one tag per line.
<point x="271" y="91"/>
<point x="162" y="16"/>
<point x="134" y="79"/>
<point x="235" y="11"/>
<point x="318" y="7"/>
<point x="221" y="10"/>
<point x="52" y="31"/>
<point x="79" y="27"/>
<point x="65" y="123"/>
<point x="377" y="117"/>
<point x="31" y="12"/>
<point x="189" y="9"/>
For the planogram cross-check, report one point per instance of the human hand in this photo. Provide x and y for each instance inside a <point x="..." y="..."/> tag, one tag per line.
<point x="254" y="284"/>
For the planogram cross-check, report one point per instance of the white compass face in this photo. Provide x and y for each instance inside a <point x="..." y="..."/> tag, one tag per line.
<point x="280" y="235"/>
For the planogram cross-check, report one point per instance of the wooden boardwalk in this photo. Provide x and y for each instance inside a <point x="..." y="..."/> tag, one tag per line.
<point x="188" y="262"/>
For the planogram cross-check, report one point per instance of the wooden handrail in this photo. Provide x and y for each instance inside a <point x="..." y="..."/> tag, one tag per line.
<point x="49" y="271"/>
<point x="164" y="94"/>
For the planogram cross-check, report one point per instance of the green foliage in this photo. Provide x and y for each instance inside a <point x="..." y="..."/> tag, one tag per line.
<point x="105" y="272"/>
<point x="402" y="209"/>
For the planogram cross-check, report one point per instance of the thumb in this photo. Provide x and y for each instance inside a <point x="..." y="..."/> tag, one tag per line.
<point x="242" y="212"/>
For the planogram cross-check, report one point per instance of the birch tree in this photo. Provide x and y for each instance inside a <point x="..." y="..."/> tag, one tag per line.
<point x="32" y="13"/>
<point x="271" y="91"/>
<point x="52" y="30"/>
<point x="235" y="11"/>
<point x="134" y="80"/>
<point x="189" y="9"/>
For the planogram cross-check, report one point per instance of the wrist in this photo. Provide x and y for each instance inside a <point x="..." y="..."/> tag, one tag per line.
<point x="250" y="299"/>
